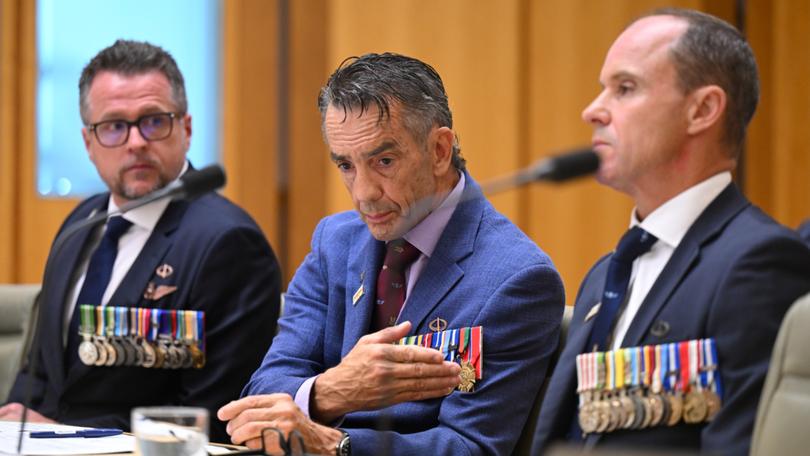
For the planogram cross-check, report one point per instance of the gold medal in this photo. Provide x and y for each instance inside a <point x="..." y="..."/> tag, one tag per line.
<point x="712" y="404"/>
<point x="467" y="377"/>
<point x="675" y="408"/>
<point x="694" y="407"/>
<point x="197" y="355"/>
<point x="656" y="403"/>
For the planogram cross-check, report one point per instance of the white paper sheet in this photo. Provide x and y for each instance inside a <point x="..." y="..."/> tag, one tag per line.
<point x="10" y="432"/>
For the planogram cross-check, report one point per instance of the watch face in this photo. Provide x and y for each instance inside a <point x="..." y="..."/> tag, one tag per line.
<point x="344" y="448"/>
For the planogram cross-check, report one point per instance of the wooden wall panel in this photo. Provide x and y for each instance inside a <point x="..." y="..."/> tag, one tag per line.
<point x="8" y="138"/>
<point x="791" y="73"/>
<point x="250" y="112"/>
<point x="308" y="168"/>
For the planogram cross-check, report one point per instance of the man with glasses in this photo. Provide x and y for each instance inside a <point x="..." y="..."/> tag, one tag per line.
<point x="206" y="258"/>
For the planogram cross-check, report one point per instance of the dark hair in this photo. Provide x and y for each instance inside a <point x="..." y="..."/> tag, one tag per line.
<point x="383" y="80"/>
<point x="130" y="58"/>
<point x="712" y="51"/>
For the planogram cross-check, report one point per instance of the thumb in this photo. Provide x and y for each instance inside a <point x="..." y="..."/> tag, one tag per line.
<point x="388" y="335"/>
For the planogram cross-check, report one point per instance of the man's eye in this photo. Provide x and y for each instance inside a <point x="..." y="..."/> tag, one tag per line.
<point x="112" y="126"/>
<point x="385" y="161"/>
<point x="624" y="89"/>
<point x="343" y="166"/>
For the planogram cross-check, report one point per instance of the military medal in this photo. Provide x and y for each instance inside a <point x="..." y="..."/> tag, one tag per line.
<point x="675" y="398"/>
<point x="694" y="405"/>
<point x="198" y="349"/>
<point x="88" y="353"/>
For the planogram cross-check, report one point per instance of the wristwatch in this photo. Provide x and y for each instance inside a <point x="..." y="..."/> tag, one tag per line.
<point x="344" y="447"/>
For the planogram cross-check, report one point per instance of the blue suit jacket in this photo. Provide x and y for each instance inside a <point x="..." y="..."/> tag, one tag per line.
<point x="732" y="277"/>
<point x="484" y="271"/>
<point x="222" y="264"/>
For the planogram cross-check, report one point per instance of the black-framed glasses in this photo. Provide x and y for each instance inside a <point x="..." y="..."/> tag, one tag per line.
<point x="152" y="127"/>
<point x="274" y="443"/>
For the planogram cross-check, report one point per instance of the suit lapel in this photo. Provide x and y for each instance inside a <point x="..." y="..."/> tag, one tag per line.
<point x="62" y="275"/>
<point x="710" y="223"/>
<point x="363" y="265"/>
<point x="442" y="271"/>
<point x="131" y="289"/>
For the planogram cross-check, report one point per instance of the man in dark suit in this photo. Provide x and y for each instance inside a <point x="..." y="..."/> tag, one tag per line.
<point x="388" y="127"/>
<point x="679" y="88"/>
<point x="207" y="255"/>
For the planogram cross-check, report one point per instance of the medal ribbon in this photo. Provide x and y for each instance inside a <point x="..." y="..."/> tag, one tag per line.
<point x="714" y="371"/>
<point x="475" y="350"/>
<point x="88" y="324"/>
<point x="693" y="363"/>
<point x="100" y="320"/>
<point x="683" y="357"/>
<point x="110" y="321"/>
<point x="201" y="328"/>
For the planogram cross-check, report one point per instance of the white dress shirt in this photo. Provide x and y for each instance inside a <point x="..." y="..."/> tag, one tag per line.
<point x="669" y="223"/>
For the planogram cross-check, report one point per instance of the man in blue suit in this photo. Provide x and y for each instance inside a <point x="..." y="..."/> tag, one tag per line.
<point x="332" y="373"/>
<point x="207" y="255"/>
<point x="679" y="88"/>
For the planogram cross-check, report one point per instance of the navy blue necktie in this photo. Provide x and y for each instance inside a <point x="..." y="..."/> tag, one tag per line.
<point x="96" y="279"/>
<point x="633" y="244"/>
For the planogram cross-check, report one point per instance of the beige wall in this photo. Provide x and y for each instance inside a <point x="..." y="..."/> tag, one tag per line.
<point x="518" y="73"/>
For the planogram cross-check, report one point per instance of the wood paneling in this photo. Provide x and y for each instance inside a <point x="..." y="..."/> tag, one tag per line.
<point x="250" y="113"/>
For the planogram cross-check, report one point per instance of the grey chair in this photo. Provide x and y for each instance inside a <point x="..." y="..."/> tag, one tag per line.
<point x="524" y="445"/>
<point x="16" y="305"/>
<point x="783" y="417"/>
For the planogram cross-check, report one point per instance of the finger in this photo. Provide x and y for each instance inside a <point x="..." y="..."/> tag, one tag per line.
<point x="412" y="396"/>
<point x="258" y="414"/>
<point x="418" y="370"/>
<point x="412" y="354"/>
<point x="387" y="335"/>
<point x="232" y="409"/>
<point x="249" y="431"/>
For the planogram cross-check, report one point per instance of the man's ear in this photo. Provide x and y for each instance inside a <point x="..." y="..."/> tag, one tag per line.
<point x="440" y="145"/>
<point x="706" y="108"/>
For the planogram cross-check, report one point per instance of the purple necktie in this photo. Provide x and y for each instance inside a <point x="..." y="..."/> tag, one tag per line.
<point x="391" y="285"/>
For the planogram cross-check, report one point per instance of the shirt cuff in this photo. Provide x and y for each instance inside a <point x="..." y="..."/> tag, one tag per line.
<point x="302" y="401"/>
<point x="303" y="394"/>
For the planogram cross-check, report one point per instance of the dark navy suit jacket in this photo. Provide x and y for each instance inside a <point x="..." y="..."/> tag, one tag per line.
<point x="484" y="271"/>
<point x="732" y="277"/>
<point x="222" y="265"/>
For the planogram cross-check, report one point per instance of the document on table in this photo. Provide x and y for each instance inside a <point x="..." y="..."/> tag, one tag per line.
<point x="10" y="432"/>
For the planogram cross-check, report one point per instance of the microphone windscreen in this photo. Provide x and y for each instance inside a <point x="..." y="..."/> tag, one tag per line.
<point x="198" y="182"/>
<point x="573" y="164"/>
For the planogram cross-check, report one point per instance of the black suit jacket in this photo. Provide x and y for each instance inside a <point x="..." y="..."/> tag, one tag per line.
<point x="222" y="265"/>
<point x="733" y="277"/>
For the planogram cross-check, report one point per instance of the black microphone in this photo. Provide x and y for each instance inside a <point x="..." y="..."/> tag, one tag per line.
<point x="192" y="184"/>
<point x="559" y="168"/>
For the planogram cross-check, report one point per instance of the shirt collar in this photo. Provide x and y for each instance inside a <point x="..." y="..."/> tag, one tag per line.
<point x="670" y="222"/>
<point x="425" y="235"/>
<point x="147" y="215"/>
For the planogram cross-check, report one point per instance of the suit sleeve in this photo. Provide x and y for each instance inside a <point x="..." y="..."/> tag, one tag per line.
<point x="751" y="302"/>
<point x="298" y="350"/>
<point x="521" y="322"/>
